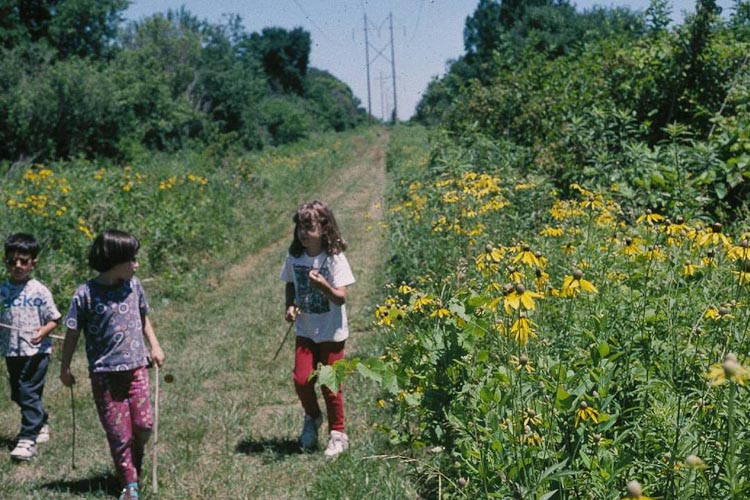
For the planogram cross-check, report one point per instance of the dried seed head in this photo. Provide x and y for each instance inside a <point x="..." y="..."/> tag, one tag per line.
<point x="463" y="482"/>
<point x="693" y="461"/>
<point x="731" y="368"/>
<point x="507" y="288"/>
<point x="530" y="413"/>
<point x="634" y="489"/>
<point x="628" y="242"/>
<point x="679" y="219"/>
<point x="583" y="405"/>
<point x="744" y="243"/>
<point x="488" y="248"/>
<point x="538" y="254"/>
<point x="596" y="438"/>
<point x="716" y="227"/>
<point x="668" y="222"/>
<point x="730" y="357"/>
<point x="526" y="248"/>
<point x="169" y="378"/>
<point x="710" y="254"/>
<point x="723" y="311"/>
<point x="520" y="289"/>
<point x="523" y="359"/>
<point x="648" y="211"/>
<point x="577" y="274"/>
<point x="538" y="273"/>
<point x="595" y="394"/>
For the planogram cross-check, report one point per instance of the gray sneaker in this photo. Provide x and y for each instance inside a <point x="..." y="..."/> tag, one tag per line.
<point x="43" y="435"/>
<point x="309" y="437"/>
<point x="338" y="442"/>
<point x="24" y="450"/>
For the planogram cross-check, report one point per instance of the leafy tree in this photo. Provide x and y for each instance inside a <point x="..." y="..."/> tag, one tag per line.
<point x="332" y="101"/>
<point x="85" y="28"/>
<point x="285" y="56"/>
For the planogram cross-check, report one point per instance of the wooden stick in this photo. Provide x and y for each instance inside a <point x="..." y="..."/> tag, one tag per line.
<point x="283" y="341"/>
<point x="73" y="411"/>
<point x="23" y="330"/>
<point x="155" y="446"/>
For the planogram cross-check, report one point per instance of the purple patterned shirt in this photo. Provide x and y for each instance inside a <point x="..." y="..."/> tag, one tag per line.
<point x="111" y="319"/>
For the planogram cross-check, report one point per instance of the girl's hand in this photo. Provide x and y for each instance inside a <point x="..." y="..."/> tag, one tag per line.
<point x="66" y="377"/>
<point x="158" y="356"/>
<point x="318" y="281"/>
<point x="291" y="313"/>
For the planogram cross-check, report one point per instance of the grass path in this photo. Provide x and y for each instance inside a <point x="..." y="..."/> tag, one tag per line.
<point x="229" y="421"/>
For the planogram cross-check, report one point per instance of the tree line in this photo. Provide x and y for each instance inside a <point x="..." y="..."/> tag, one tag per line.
<point x="608" y="97"/>
<point x="77" y="80"/>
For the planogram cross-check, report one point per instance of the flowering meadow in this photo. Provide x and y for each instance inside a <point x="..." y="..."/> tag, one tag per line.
<point x="182" y="207"/>
<point x="549" y="347"/>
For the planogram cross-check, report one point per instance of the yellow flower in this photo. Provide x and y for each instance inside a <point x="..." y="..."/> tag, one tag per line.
<point x="740" y="252"/>
<point x="522" y="363"/>
<point x="522" y="330"/>
<point x="572" y="285"/>
<point x="518" y="297"/>
<point x="441" y="313"/>
<point x="527" y="257"/>
<point x="585" y="412"/>
<point x="552" y="232"/>
<point x="531" y="417"/>
<point x="713" y="236"/>
<point x="650" y="218"/>
<point x="688" y="269"/>
<point x="531" y="437"/>
<point x="729" y="370"/>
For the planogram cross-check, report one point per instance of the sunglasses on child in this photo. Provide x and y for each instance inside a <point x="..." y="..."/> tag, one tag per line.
<point x="24" y="261"/>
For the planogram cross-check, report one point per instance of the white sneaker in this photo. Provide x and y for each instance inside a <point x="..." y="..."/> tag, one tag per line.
<point x="309" y="437"/>
<point x="338" y="442"/>
<point x="43" y="435"/>
<point x="24" y="450"/>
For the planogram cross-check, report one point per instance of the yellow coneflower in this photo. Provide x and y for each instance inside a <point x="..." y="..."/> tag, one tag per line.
<point x="527" y="257"/>
<point x="531" y="437"/>
<point x="552" y="232"/>
<point x="585" y="412"/>
<point x="714" y="236"/>
<point x="522" y="362"/>
<point x="632" y="246"/>
<point x="519" y="297"/>
<point x="531" y="417"/>
<point x="650" y="217"/>
<point x="522" y="330"/>
<point x="688" y="269"/>
<point x="729" y="370"/>
<point x="740" y="252"/>
<point x="575" y="284"/>
<point x="440" y="313"/>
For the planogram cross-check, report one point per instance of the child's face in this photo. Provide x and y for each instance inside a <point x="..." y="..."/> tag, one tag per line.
<point x="19" y="266"/>
<point x="124" y="270"/>
<point x="310" y="236"/>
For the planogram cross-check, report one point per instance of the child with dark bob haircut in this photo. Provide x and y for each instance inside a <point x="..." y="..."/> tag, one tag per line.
<point x="111" y="310"/>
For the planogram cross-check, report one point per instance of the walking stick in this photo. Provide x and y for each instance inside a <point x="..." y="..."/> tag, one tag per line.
<point x="155" y="446"/>
<point x="73" y="411"/>
<point x="283" y="341"/>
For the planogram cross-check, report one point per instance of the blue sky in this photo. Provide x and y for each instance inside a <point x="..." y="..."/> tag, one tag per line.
<point x="426" y="33"/>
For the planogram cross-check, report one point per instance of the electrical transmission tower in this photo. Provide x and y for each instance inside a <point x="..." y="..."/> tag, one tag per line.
<point x="381" y="54"/>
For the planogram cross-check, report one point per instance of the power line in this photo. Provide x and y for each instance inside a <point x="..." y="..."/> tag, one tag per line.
<point x="314" y="24"/>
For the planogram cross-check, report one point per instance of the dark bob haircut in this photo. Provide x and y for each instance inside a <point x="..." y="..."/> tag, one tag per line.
<point x="112" y="247"/>
<point x="21" y="243"/>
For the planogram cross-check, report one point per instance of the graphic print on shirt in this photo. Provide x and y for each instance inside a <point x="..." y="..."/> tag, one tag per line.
<point x="311" y="300"/>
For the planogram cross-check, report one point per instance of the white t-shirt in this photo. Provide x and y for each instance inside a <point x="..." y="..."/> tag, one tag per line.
<point x="27" y="306"/>
<point x="320" y="319"/>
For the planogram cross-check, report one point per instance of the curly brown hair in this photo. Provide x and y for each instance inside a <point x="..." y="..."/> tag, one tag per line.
<point x="307" y="215"/>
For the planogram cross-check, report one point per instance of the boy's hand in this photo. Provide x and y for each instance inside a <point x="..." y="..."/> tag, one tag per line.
<point x="37" y="339"/>
<point x="158" y="356"/>
<point x="66" y="377"/>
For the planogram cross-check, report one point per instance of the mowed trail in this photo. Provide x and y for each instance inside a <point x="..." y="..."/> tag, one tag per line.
<point x="229" y="421"/>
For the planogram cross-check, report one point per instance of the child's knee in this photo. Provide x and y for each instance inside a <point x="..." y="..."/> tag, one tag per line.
<point x="301" y="379"/>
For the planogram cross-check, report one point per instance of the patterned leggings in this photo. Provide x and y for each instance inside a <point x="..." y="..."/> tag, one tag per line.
<point x="124" y="407"/>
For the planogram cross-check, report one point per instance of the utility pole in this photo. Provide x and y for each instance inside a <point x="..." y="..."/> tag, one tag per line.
<point x="367" y="59"/>
<point x="393" y="72"/>
<point x="392" y="60"/>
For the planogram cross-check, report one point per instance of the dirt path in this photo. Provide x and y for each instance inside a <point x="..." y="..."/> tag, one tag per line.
<point x="234" y="417"/>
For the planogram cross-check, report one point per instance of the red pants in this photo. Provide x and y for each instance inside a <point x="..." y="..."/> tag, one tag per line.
<point x="124" y="407"/>
<point x="306" y="358"/>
